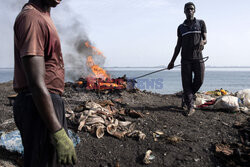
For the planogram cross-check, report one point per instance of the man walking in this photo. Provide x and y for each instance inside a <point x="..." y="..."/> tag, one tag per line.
<point x="191" y="40"/>
<point x="39" y="81"/>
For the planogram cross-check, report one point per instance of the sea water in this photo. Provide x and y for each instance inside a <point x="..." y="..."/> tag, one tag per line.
<point x="169" y="81"/>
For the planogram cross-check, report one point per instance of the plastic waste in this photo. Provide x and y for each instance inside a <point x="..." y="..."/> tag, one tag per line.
<point x="12" y="141"/>
<point x="230" y="103"/>
<point x="244" y="96"/>
<point x="202" y="99"/>
<point x="217" y="92"/>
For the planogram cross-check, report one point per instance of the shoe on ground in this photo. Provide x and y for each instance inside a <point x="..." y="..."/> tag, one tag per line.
<point x="191" y="111"/>
<point x="183" y="105"/>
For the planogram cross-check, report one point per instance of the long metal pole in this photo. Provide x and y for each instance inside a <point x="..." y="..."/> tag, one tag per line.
<point x="204" y="60"/>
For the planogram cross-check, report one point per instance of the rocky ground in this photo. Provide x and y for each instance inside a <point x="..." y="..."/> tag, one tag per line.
<point x="184" y="141"/>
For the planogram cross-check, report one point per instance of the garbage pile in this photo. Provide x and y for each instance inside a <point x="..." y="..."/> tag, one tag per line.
<point x="104" y="117"/>
<point x="222" y="100"/>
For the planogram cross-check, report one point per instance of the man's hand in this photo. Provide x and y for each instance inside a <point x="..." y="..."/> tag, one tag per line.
<point x="201" y="46"/>
<point x="170" y="65"/>
<point x="64" y="146"/>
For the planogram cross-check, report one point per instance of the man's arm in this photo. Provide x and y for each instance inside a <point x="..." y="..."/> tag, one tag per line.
<point x="34" y="68"/>
<point x="203" y="41"/>
<point x="204" y="38"/>
<point x="176" y="52"/>
<point x="203" y="35"/>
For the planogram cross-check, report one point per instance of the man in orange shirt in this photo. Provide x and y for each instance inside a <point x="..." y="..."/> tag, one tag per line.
<point x="39" y="81"/>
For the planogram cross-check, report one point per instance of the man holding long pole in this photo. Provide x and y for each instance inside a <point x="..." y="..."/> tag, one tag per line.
<point x="191" y="40"/>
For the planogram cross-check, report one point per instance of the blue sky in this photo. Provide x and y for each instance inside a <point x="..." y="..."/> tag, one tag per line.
<point x="141" y="32"/>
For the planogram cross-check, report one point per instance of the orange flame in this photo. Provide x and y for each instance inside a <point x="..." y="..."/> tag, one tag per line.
<point x="98" y="71"/>
<point x="100" y="80"/>
<point x="79" y="82"/>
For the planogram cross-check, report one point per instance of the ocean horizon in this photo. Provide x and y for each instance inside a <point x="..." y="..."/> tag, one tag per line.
<point x="231" y="79"/>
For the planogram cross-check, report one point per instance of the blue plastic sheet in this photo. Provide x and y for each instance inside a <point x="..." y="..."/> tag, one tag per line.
<point x="12" y="141"/>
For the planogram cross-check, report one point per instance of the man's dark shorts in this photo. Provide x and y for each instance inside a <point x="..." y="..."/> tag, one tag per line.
<point x="38" y="150"/>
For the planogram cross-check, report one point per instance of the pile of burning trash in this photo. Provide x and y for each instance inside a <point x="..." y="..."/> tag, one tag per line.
<point x="102" y="118"/>
<point x="93" y="83"/>
<point x="98" y="79"/>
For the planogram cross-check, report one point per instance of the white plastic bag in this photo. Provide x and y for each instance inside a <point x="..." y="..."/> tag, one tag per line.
<point x="230" y="103"/>
<point x="244" y="96"/>
<point x="202" y="98"/>
<point x="246" y="100"/>
<point x="242" y="93"/>
<point x="199" y="101"/>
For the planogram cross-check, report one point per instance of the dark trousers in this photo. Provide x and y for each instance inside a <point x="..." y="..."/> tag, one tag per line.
<point x="38" y="150"/>
<point x="192" y="73"/>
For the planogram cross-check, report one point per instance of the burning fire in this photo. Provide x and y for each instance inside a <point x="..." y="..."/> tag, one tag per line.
<point x="97" y="70"/>
<point x="100" y="79"/>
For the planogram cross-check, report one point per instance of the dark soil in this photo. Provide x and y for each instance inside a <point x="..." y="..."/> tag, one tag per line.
<point x="198" y="134"/>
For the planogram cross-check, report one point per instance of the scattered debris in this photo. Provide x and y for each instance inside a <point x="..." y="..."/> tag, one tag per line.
<point x="196" y="159"/>
<point x="4" y="163"/>
<point x="137" y="135"/>
<point x="174" y="139"/>
<point x="118" y="100"/>
<point x="133" y="113"/>
<point x="8" y="121"/>
<point x="97" y="118"/>
<point x="106" y="103"/>
<point x="148" y="157"/>
<point x="225" y="149"/>
<point x="157" y="134"/>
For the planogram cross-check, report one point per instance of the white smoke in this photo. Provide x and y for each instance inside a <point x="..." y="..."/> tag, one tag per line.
<point x="73" y="36"/>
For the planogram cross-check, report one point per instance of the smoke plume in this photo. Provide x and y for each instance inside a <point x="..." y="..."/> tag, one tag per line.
<point x="74" y="37"/>
<point x="71" y="30"/>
